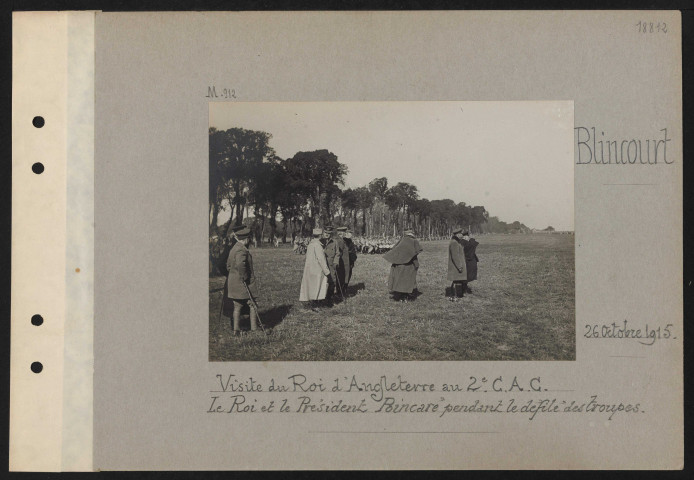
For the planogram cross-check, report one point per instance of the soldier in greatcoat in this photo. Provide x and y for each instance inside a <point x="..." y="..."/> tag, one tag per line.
<point x="457" y="270"/>
<point x="352" y="255"/>
<point x="241" y="275"/>
<point x="471" y="260"/>
<point x="404" y="265"/>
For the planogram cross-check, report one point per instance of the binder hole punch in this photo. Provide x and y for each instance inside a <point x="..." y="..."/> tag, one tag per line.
<point x="37" y="168"/>
<point x="36" y="367"/>
<point x="38" y="122"/>
<point x="36" y="320"/>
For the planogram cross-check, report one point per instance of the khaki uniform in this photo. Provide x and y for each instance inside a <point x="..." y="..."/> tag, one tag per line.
<point x="332" y="257"/>
<point x="342" y="262"/>
<point x="240" y="267"/>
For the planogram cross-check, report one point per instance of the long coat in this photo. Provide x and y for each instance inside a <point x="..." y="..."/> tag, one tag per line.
<point x="349" y="257"/>
<point x="314" y="283"/>
<point x="403" y="271"/>
<point x="470" y="246"/>
<point x="342" y="263"/>
<point x="457" y="270"/>
<point x="332" y="255"/>
<point x="240" y="266"/>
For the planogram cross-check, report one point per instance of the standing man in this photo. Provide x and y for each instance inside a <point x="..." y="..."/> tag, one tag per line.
<point x="343" y="268"/>
<point x="470" y="247"/>
<point x="404" y="265"/>
<point x="314" y="283"/>
<point x="230" y="241"/>
<point x="352" y="254"/>
<point x="332" y="257"/>
<point x="240" y="266"/>
<point x="457" y="271"/>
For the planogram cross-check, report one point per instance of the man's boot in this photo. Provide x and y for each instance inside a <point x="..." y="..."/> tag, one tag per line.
<point x="253" y="315"/>
<point x="236" y="316"/>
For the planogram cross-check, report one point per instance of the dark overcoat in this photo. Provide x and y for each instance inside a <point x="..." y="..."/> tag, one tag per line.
<point x="350" y="256"/>
<point x="470" y="247"/>
<point x="457" y="270"/>
<point x="351" y="250"/>
<point x="343" y="266"/>
<point x="240" y="266"/>
<point x="332" y="256"/>
<point x="403" y="271"/>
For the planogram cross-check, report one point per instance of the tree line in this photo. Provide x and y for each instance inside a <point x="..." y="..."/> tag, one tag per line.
<point x="307" y="190"/>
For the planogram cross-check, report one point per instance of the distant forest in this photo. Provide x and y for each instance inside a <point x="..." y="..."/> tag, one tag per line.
<point x="289" y="197"/>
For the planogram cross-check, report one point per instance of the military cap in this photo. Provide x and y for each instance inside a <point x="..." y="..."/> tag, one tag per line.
<point x="341" y="229"/>
<point x="465" y="232"/>
<point x="409" y="232"/>
<point x="329" y="229"/>
<point x="318" y="231"/>
<point x="243" y="233"/>
<point x="457" y="231"/>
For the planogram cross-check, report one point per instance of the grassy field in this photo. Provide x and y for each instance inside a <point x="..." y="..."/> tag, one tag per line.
<point x="522" y="308"/>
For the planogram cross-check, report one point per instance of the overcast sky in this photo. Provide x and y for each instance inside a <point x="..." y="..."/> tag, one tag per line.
<point x="515" y="158"/>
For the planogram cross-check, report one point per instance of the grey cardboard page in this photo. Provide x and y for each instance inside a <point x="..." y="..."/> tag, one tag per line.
<point x="612" y="399"/>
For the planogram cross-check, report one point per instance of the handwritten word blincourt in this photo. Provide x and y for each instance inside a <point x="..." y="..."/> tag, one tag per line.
<point x="594" y="149"/>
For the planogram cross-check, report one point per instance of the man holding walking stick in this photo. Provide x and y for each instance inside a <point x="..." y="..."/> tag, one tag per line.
<point x="241" y="280"/>
<point x="333" y="253"/>
<point x="314" y="282"/>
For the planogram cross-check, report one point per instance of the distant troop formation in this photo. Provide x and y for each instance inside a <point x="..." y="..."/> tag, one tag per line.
<point x="331" y="256"/>
<point x="300" y="245"/>
<point x="374" y="245"/>
<point x="362" y="244"/>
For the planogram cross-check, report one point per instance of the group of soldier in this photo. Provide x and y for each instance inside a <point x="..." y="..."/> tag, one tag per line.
<point x="330" y="258"/>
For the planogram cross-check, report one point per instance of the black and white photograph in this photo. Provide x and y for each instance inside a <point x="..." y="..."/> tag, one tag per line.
<point x="391" y="231"/>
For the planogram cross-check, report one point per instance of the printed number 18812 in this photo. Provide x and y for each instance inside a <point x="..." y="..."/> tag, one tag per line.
<point x="652" y="27"/>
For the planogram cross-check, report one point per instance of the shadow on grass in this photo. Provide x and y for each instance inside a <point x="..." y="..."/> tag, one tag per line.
<point x="354" y="289"/>
<point x="270" y="318"/>
<point x="274" y="316"/>
<point x="408" y="297"/>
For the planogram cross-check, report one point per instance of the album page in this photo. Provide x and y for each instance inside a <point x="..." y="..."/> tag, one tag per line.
<point x="431" y="240"/>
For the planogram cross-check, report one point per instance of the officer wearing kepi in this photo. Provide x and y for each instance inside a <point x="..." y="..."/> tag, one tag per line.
<point x="457" y="271"/>
<point x="470" y="246"/>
